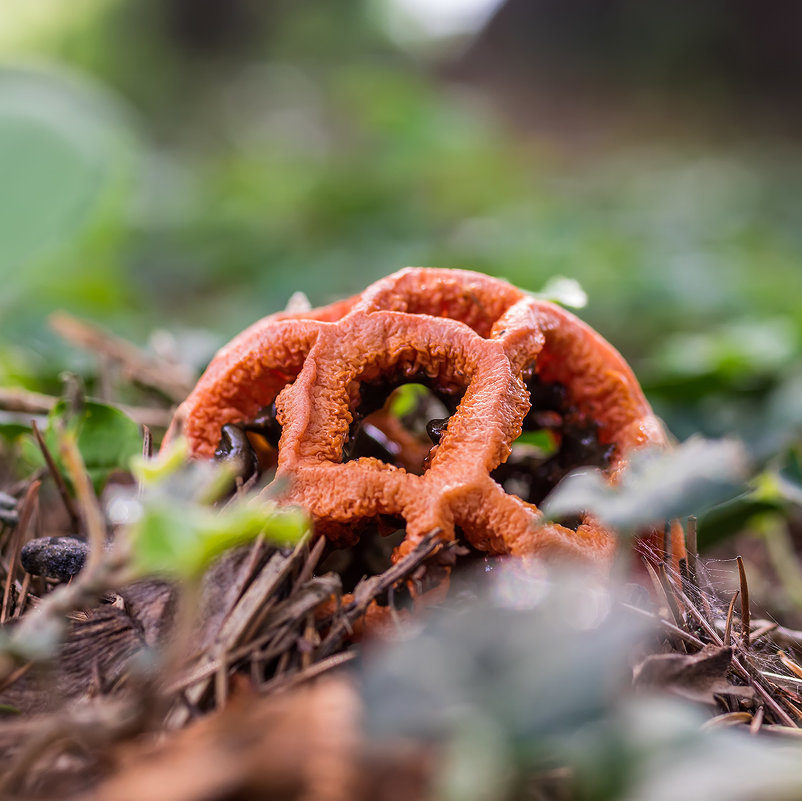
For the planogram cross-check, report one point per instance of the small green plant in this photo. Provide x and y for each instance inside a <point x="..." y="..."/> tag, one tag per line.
<point x="105" y="436"/>
<point x="172" y="529"/>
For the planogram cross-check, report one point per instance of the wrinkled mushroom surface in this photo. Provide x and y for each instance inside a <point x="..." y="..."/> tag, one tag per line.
<point x="499" y="358"/>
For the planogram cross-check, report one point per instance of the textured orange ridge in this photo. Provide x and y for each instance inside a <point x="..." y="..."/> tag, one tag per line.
<point x="463" y="329"/>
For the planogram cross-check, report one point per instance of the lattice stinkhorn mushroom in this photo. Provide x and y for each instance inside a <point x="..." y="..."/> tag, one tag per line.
<point x="298" y="384"/>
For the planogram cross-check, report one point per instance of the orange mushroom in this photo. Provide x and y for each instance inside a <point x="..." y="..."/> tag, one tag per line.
<point x="493" y="349"/>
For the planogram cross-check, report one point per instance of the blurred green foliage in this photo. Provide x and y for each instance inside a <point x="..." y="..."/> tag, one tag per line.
<point x="173" y="531"/>
<point x="656" y="486"/>
<point x="163" y="167"/>
<point x="171" y="168"/>
<point x="508" y="687"/>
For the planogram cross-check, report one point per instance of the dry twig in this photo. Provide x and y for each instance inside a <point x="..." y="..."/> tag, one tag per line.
<point x="174" y="380"/>
<point x="13" y="399"/>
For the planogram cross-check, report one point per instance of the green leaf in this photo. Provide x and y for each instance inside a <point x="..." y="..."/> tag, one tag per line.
<point x="180" y="540"/>
<point x="565" y="291"/>
<point x="657" y="485"/>
<point x="770" y="493"/>
<point x="163" y="465"/>
<point x="107" y="438"/>
<point x="541" y="439"/>
<point x="173" y="529"/>
<point x="11" y="432"/>
<point x="406" y="399"/>
<point x="728" y="518"/>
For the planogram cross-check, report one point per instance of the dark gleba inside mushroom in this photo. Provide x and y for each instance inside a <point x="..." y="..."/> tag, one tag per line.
<point x="555" y="439"/>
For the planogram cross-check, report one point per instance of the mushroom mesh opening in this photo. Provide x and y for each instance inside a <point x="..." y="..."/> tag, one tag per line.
<point x="370" y="555"/>
<point x="555" y="440"/>
<point x="399" y="421"/>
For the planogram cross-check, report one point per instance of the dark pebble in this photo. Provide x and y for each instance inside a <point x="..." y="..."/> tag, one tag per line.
<point x="54" y="557"/>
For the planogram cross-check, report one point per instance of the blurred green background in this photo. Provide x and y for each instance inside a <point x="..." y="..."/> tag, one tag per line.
<point x="176" y="169"/>
<point x="188" y="165"/>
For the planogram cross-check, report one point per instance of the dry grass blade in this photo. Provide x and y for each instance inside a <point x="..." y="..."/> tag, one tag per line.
<point x="728" y="624"/>
<point x="789" y="702"/>
<point x="221" y="685"/>
<point x="250" y="568"/>
<point x="691" y="575"/>
<point x="174" y="380"/>
<point x="61" y="485"/>
<point x="670" y="596"/>
<point x="790" y="664"/>
<point x="94" y="523"/>
<point x="147" y="443"/>
<point x="728" y="719"/>
<point x="667" y="542"/>
<point x="757" y="721"/>
<point x="663" y="589"/>
<point x="15" y="676"/>
<point x="790" y="732"/>
<point x="310" y="634"/>
<point x="781" y="679"/>
<point x="299" y="604"/>
<point x="311" y="561"/>
<point x="318" y="669"/>
<point x="691" y="547"/>
<point x="765" y="627"/>
<point x="745" y="613"/>
<point x="369" y="589"/>
<point x="675" y="630"/>
<point x="23" y="595"/>
<point x="258" y="599"/>
<point x="25" y="515"/>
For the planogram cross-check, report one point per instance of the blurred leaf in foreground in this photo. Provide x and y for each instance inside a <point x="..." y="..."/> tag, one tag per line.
<point x="653" y="749"/>
<point x="501" y="680"/>
<point x="537" y="676"/>
<point x="657" y="485"/>
<point x="172" y="529"/>
<point x="171" y="539"/>
<point x="66" y="151"/>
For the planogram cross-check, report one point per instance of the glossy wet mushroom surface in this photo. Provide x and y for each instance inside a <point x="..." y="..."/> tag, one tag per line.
<point x="517" y="392"/>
